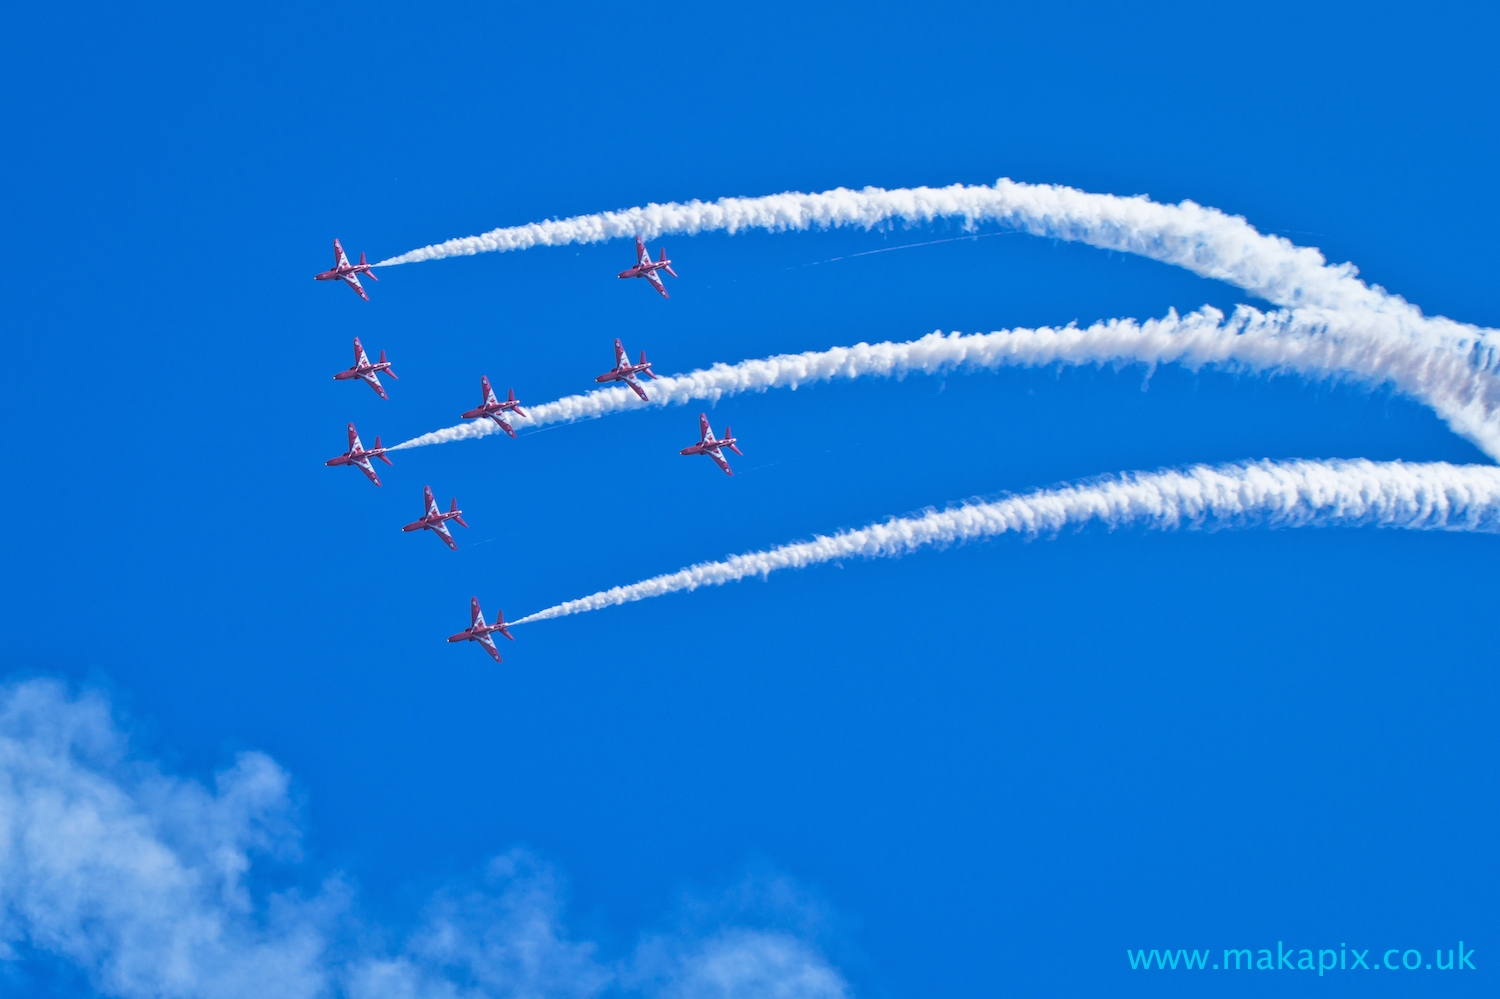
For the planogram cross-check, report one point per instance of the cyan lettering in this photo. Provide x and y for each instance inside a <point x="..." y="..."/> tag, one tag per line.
<point x="1416" y="964"/>
<point x="1332" y="963"/>
<point x="1249" y="958"/>
<point x="1387" y="961"/>
<point x="1359" y="958"/>
<point x="1284" y="960"/>
<point x="1172" y="956"/>
<point x="1263" y="963"/>
<point x="1441" y="965"/>
<point x="1138" y="959"/>
<point x="1305" y="962"/>
<point x="1463" y="959"/>
<point x="1192" y="956"/>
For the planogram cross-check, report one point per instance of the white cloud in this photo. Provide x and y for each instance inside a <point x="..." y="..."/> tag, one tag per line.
<point x="738" y="964"/>
<point x="506" y="940"/>
<point x="144" y="882"/>
<point x="138" y="877"/>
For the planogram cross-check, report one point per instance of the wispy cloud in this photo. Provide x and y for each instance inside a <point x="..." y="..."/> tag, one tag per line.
<point x="1436" y="496"/>
<point x="144" y="881"/>
<point x="504" y="937"/>
<point x="137" y="877"/>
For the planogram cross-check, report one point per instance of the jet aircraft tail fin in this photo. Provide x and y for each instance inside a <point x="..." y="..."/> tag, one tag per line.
<point x="453" y="509"/>
<point x="666" y="266"/>
<point x="382" y="457"/>
<point x="729" y="432"/>
<point x="388" y="369"/>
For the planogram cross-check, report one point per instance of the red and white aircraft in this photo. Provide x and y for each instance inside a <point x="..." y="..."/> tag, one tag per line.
<point x="349" y="273"/>
<point x="624" y="371"/>
<point x="360" y="458"/>
<point x="369" y="372"/>
<point x="478" y="631"/>
<point x="492" y="407"/>
<point x="434" y="519"/>
<point x="710" y="445"/>
<point x="646" y="268"/>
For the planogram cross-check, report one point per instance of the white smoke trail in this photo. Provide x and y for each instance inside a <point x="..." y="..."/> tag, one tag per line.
<point x="1310" y="342"/>
<point x="1203" y="240"/>
<point x="1436" y="496"/>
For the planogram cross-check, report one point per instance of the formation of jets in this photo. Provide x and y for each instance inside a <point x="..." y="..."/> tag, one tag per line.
<point x="492" y="408"/>
<point x="343" y="270"/>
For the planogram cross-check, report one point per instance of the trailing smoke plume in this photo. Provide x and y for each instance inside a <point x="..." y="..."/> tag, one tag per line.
<point x="1203" y="240"/>
<point x="1313" y="343"/>
<point x="1436" y="496"/>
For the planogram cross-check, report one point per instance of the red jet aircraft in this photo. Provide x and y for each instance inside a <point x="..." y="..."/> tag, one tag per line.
<point x="349" y="273"/>
<point x="369" y="372"/>
<point x="359" y="457"/>
<point x="434" y="518"/>
<point x="492" y="407"/>
<point x="478" y="631"/>
<point x="710" y="446"/>
<point x="646" y="268"/>
<point x="623" y="371"/>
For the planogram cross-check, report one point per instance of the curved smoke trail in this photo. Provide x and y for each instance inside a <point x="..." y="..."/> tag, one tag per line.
<point x="1310" y="342"/>
<point x="1436" y="496"/>
<point x="1203" y="240"/>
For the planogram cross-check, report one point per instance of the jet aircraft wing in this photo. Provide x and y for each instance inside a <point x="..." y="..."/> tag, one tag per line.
<point x="489" y="646"/>
<point x="641" y="256"/>
<point x="359" y="289"/>
<point x="655" y="280"/>
<point x="705" y="433"/>
<point x="441" y="530"/>
<point x="636" y="386"/>
<point x="354" y="444"/>
<point x="432" y="507"/>
<point x="361" y="359"/>
<point x="373" y="380"/>
<point x="368" y="469"/>
<point x="340" y="258"/>
<point x="718" y="457"/>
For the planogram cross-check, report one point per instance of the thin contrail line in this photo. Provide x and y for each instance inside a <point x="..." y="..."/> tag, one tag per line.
<point x="1435" y="496"/>
<point x="1312" y="343"/>
<point x="905" y="246"/>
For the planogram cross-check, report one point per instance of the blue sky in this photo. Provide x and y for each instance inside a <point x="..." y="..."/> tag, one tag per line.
<point x="987" y="769"/>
